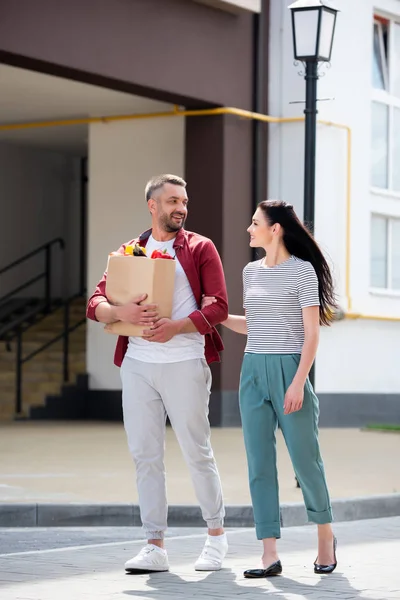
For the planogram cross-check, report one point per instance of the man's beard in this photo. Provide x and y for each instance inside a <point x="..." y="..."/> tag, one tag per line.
<point x="169" y="225"/>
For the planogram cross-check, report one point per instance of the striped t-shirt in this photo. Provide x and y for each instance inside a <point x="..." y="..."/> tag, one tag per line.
<point x="273" y="299"/>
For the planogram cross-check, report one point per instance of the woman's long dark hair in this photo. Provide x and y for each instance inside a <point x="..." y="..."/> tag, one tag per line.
<point x="299" y="242"/>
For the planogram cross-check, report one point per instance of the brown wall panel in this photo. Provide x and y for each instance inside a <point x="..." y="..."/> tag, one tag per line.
<point x="162" y="48"/>
<point x="218" y="171"/>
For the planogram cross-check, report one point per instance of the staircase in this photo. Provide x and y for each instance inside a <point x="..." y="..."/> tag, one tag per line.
<point x="42" y="376"/>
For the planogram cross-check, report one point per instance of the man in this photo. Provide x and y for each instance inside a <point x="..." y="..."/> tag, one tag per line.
<point x="166" y="373"/>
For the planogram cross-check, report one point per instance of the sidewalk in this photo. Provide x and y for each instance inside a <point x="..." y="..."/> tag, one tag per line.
<point x="90" y="463"/>
<point x="87" y="564"/>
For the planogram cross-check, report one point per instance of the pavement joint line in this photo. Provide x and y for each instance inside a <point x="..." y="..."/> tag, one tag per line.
<point x="109" y="544"/>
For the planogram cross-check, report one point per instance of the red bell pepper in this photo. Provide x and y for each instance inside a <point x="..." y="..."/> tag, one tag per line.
<point x="159" y="254"/>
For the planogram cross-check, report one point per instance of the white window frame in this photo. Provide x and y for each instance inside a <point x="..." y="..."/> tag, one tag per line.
<point x="387" y="98"/>
<point x="385" y="291"/>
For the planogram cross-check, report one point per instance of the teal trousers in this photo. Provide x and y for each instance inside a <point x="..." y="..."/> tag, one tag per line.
<point x="263" y="383"/>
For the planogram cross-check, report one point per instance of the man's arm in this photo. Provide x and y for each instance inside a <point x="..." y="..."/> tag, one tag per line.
<point x="93" y="310"/>
<point x="99" y="309"/>
<point x="212" y="282"/>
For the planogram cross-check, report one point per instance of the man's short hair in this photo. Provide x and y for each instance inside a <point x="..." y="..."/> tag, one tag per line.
<point x="158" y="181"/>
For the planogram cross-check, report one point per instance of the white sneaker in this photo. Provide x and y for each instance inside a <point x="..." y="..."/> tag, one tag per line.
<point x="213" y="554"/>
<point x="151" y="558"/>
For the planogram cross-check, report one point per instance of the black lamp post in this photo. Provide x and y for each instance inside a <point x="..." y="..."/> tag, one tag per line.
<point x="313" y="24"/>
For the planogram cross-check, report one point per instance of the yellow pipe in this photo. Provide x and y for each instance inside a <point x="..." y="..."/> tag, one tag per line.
<point x="84" y="121"/>
<point x="172" y="113"/>
<point x="355" y="316"/>
<point x="246" y="114"/>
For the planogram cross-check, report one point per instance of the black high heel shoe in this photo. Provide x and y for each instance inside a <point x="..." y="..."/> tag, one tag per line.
<point x="271" y="571"/>
<point x="326" y="569"/>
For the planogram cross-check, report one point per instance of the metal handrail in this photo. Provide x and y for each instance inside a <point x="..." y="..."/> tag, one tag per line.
<point x="46" y="275"/>
<point x="22" y="287"/>
<point x="20" y="360"/>
<point x="22" y="259"/>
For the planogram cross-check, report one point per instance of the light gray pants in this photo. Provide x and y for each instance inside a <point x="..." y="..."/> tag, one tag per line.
<point x="150" y="391"/>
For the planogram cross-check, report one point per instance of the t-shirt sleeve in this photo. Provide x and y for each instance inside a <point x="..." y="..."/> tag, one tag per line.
<point x="308" y="286"/>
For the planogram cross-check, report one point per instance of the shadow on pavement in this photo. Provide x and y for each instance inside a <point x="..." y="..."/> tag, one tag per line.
<point x="226" y="585"/>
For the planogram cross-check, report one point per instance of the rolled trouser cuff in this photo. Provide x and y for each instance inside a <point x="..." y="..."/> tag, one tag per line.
<point x="268" y="530"/>
<point x="154" y="535"/>
<point x="215" y="523"/>
<point x="320" y="518"/>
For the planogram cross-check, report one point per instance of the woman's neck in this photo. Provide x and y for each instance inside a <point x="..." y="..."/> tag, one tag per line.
<point x="275" y="255"/>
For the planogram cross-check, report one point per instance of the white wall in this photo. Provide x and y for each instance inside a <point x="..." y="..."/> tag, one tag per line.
<point x="360" y="352"/>
<point x="122" y="157"/>
<point x="39" y="191"/>
<point x="234" y="5"/>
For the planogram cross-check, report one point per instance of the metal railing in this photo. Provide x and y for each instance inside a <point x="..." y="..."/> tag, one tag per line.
<point x="21" y="360"/>
<point x="46" y="274"/>
<point x="22" y="323"/>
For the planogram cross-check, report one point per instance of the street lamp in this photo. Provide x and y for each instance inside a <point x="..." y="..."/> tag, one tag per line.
<point x="313" y="24"/>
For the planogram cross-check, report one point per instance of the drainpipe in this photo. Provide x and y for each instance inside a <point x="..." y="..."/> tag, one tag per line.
<point x="260" y="76"/>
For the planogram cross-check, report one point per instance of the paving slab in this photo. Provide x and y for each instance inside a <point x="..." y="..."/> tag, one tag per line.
<point x="83" y="564"/>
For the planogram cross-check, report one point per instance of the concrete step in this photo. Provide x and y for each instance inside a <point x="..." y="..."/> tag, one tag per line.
<point x="46" y="335"/>
<point x="42" y="374"/>
<point x="32" y="395"/>
<point x="43" y="387"/>
<point x="47" y="355"/>
<point x="58" y="322"/>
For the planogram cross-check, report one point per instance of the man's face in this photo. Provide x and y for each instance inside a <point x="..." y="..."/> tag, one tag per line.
<point x="169" y="207"/>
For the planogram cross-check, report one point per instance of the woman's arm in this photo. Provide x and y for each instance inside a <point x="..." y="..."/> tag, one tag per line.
<point x="311" y="339"/>
<point x="236" y="323"/>
<point x="295" y="392"/>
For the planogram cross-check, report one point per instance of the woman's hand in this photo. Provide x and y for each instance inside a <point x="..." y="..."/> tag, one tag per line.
<point x="293" y="398"/>
<point x="207" y="300"/>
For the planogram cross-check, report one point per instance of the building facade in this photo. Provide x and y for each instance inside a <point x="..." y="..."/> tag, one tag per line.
<point x="78" y="62"/>
<point x="357" y="198"/>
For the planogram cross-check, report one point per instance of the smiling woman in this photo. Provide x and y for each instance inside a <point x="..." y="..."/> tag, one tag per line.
<point x="286" y="296"/>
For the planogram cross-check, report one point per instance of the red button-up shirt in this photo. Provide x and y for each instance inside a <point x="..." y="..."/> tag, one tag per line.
<point x="201" y="262"/>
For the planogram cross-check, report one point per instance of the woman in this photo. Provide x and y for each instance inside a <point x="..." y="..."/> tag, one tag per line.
<point x="287" y="295"/>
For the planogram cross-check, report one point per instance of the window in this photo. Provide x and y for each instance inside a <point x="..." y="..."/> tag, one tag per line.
<point x="380" y="63"/>
<point x="385" y="253"/>
<point x="385" y="120"/>
<point x="380" y="130"/>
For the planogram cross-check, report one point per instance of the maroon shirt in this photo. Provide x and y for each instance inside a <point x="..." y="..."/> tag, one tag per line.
<point x="201" y="262"/>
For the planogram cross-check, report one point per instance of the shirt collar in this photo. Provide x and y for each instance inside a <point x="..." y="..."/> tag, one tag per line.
<point x="178" y="242"/>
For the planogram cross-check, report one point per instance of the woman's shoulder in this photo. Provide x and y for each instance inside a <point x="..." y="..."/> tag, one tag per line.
<point x="304" y="267"/>
<point x="254" y="264"/>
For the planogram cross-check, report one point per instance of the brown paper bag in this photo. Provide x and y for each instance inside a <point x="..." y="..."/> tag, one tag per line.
<point x="131" y="276"/>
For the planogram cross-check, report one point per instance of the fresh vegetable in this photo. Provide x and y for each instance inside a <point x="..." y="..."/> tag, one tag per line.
<point x="135" y="250"/>
<point x="159" y="254"/>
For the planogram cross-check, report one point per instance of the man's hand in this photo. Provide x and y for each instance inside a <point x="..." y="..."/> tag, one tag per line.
<point x="136" y="313"/>
<point x="293" y="398"/>
<point x="162" y="331"/>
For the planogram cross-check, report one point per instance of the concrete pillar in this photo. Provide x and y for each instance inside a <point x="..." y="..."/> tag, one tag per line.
<point x="122" y="157"/>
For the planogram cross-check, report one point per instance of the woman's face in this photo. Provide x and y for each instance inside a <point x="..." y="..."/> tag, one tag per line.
<point x="261" y="232"/>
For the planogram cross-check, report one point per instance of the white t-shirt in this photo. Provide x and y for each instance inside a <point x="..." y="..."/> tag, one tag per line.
<point x="184" y="346"/>
<point x="274" y="298"/>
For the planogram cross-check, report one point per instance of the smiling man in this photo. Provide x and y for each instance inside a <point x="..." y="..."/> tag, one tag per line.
<point x="166" y="373"/>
